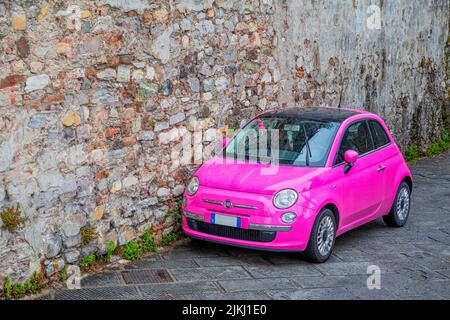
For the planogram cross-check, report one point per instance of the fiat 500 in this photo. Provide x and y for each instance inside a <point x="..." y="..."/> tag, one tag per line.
<point x="295" y="179"/>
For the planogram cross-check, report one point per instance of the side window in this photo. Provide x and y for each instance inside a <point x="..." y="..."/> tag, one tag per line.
<point x="378" y="133"/>
<point x="356" y="137"/>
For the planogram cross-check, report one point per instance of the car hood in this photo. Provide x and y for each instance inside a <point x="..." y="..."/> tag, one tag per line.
<point x="255" y="177"/>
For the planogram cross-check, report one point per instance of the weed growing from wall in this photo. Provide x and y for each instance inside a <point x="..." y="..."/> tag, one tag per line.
<point x="11" y="218"/>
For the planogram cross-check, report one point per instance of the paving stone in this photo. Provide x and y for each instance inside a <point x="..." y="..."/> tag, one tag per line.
<point x="232" y="261"/>
<point x="357" y="255"/>
<point x="209" y="273"/>
<point x="287" y="270"/>
<point x="313" y="294"/>
<point x="409" y="268"/>
<point x="346" y="268"/>
<point x="293" y="258"/>
<point x="403" y="286"/>
<point x="242" y="295"/>
<point x="176" y="290"/>
<point x="257" y="284"/>
<point x="239" y="252"/>
<point x="446" y="272"/>
<point x="100" y="293"/>
<point x="440" y="237"/>
<point x="44" y="297"/>
<point x="363" y="293"/>
<point x="431" y="262"/>
<point x="308" y="282"/>
<point x="193" y="253"/>
<point x="426" y="296"/>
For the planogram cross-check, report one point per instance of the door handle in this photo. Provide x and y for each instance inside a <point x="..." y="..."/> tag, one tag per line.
<point x="381" y="168"/>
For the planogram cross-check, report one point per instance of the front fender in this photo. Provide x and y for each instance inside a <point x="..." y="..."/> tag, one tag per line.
<point x="316" y="199"/>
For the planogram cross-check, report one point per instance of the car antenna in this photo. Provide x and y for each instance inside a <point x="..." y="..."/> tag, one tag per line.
<point x="308" y="149"/>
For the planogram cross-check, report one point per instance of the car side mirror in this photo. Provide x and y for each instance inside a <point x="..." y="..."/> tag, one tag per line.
<point x="225" y="141"/>
<point x="350" y="157"/>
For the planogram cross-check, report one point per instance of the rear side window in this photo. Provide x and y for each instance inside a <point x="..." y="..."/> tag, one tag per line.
<point x="356" y="137"/>
<point x="379" y="135"/>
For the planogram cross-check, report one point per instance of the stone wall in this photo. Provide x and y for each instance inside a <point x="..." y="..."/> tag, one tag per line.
<point x="95" y="97"/>
<point x="333" y="52"/>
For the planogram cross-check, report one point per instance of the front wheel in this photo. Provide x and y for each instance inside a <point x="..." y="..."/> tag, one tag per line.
<point x="400" y="209"/>
<point x="322" y="237"/>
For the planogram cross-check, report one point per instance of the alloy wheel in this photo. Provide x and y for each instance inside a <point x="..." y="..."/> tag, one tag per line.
<point x="325" y="235"/>
<point x="403" y="204"/>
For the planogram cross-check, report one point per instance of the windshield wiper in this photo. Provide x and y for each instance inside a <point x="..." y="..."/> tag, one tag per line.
<point x="308" y="149"/>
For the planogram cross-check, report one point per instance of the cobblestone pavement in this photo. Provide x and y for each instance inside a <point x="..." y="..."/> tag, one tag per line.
<point x="414" y="261"/>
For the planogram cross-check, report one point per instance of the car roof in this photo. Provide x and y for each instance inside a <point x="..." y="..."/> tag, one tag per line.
<point x="328" y="114"/>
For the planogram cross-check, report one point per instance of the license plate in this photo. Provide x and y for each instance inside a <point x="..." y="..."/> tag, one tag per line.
<point x="226" y="220"/>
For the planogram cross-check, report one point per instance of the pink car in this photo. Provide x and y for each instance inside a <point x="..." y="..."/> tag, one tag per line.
<point x="295" y="179"/>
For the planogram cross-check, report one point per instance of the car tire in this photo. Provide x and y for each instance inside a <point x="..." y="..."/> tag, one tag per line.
<point x="322" y="237"/>
<point x="400" y="208"/>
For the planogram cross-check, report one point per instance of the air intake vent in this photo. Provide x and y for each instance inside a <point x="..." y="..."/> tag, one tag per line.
<point x="231" y="232"/>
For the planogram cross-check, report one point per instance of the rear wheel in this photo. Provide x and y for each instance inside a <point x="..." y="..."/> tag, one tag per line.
<point x="322" y="237"/>
<point x="400" y="209"/>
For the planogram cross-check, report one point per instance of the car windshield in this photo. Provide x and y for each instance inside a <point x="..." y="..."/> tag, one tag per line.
<point x="284" y="141"/>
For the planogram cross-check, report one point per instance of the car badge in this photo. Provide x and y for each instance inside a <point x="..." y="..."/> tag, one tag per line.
<point x="228" y="204"/>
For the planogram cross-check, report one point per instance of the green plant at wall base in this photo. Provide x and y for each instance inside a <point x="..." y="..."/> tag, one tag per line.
<point x="11" y="218"/>
<point x="18" y="290"/>
<point x="87" y="235"/>
<point x="110" y="252"/>
<point x="14" y="290"/>
<point x="148" y="241"/>
<point x="175" y="211"/>
<point x="174" y="217"/>
<point x="63" y="274"/>
<point x="88" y="261"/>
<point x="7" y="288"/>
<point x="36" y="283"/>
<point x="132" y="250"/>
<point x="437" y="147"/>
<point x="168" y="239"/>
<point x="411" y="153"/>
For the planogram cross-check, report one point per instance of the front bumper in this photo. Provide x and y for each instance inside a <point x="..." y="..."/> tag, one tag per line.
<point x="261" y="228"/>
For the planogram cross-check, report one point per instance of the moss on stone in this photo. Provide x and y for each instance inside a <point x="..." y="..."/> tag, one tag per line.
<point x="11" y="218"/>
<point x="87" y="235"/>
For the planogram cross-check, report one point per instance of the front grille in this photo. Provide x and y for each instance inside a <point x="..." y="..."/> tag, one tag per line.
<point x="231" y="232"/>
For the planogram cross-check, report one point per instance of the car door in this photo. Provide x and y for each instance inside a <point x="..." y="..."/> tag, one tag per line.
<point x="363" y="184"/>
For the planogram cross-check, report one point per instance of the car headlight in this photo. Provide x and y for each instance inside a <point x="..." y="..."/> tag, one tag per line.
<point x="285" y="198"/>
<point x="288" y="217"/>
<point x="193" y="186"/>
